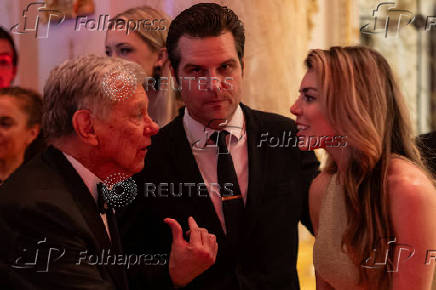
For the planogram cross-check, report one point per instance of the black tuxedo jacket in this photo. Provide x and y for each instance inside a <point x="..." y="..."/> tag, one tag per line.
<point x="427" y="145"/>
<point x="48" y="220"/>
<point x="279" y="178"/>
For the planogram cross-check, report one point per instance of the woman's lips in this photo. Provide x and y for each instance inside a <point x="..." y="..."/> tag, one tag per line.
<point x="301" y="128"/>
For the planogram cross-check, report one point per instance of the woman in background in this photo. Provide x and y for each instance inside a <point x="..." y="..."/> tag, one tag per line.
<point x="145" y="45"/>
<point x="8" y="59"/>
<point x="374" y="197"/>
<point x="20" y="122"/>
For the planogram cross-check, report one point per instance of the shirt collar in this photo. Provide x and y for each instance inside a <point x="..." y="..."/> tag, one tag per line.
<point x="89" y="178"/>
<point x="198" y="134"/>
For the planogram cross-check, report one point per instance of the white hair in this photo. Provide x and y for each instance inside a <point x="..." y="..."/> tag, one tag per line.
<point x="81" y="83"/>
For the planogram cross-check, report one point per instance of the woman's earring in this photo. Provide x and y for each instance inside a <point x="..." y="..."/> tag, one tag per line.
<point x="157" y="73"/>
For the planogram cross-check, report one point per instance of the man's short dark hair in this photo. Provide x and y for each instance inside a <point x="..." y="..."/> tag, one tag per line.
<point x="5" y="35"/>
<point x="204" y="20"/>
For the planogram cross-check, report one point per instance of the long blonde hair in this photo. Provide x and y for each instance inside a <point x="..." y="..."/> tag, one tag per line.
<point x="156" y="36"/>
<point x="363" y="102"/>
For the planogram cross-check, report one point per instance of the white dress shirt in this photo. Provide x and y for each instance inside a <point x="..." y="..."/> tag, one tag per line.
<point x="205" y="152"/>
<point x="91" y="181"/>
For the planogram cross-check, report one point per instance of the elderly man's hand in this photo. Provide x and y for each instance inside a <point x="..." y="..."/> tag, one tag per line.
<point x="190" y="259"/>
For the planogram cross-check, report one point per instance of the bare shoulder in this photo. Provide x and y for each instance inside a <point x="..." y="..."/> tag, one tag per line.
<point x="412" y="202"/>
<point x="413" y="206"/>
<point x="316" y="193"/>
<point x="408" y="183"/>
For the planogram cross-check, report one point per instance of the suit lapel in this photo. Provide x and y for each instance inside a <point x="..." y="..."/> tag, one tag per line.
<point x="187" y="169"/>
<point x="257" y="157"/>
<point x="87" y="206"/>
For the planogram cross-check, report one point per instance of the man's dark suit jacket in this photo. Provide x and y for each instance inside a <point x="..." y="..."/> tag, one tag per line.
<point x="277" y="199"/>
<point x="427" y="145"/>
<point x="46" y="201"/>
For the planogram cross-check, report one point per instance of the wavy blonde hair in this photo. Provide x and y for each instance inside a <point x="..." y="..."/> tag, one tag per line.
<point x="363" y="102"/>
<point x="164" y="107"/>
<point x="155" y="38"/>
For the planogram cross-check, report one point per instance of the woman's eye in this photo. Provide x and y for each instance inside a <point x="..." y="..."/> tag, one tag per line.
<point x="108" y="52"/>
<point x="125" y="50"/>
<point x="309" y="98"/>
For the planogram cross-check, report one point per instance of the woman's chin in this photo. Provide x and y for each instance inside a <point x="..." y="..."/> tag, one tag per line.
<point x="308" y="143"/>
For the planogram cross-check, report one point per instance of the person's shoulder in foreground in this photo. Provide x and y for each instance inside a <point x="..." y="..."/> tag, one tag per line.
<point x="50" y="214"/>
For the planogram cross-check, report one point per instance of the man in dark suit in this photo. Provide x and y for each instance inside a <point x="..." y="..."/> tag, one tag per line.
<point x="427" y="145"/>
<point x="237" y="171"/>
<point x="57" y="223"/>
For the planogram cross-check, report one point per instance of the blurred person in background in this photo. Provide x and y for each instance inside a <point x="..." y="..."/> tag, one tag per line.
<point x="145" y="45"/>
<point x="20" y="122"/>
<point x="8" y="59"/>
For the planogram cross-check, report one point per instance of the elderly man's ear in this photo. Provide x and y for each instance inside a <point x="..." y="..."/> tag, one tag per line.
<point x="84" y="125"/>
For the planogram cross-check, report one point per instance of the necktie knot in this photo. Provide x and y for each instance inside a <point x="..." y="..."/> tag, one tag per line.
<point x="219" y="138"/>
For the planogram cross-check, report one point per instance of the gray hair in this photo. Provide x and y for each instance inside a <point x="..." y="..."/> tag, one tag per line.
<point x="82" y="83"/>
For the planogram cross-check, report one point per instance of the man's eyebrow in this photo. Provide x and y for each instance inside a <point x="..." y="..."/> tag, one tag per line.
<point x="191" y="65"/>
<point x="232" y="60"/>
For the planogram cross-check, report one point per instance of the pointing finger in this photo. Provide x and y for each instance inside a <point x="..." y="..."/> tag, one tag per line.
<point x="176" y="229"/>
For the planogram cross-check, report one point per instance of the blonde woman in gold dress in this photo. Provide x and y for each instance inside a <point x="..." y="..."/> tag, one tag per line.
<point x="374" y="197"/>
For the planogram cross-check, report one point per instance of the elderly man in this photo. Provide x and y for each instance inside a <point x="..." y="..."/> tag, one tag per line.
<point x="236" y="170"/>
<point x="56" y="212"/>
